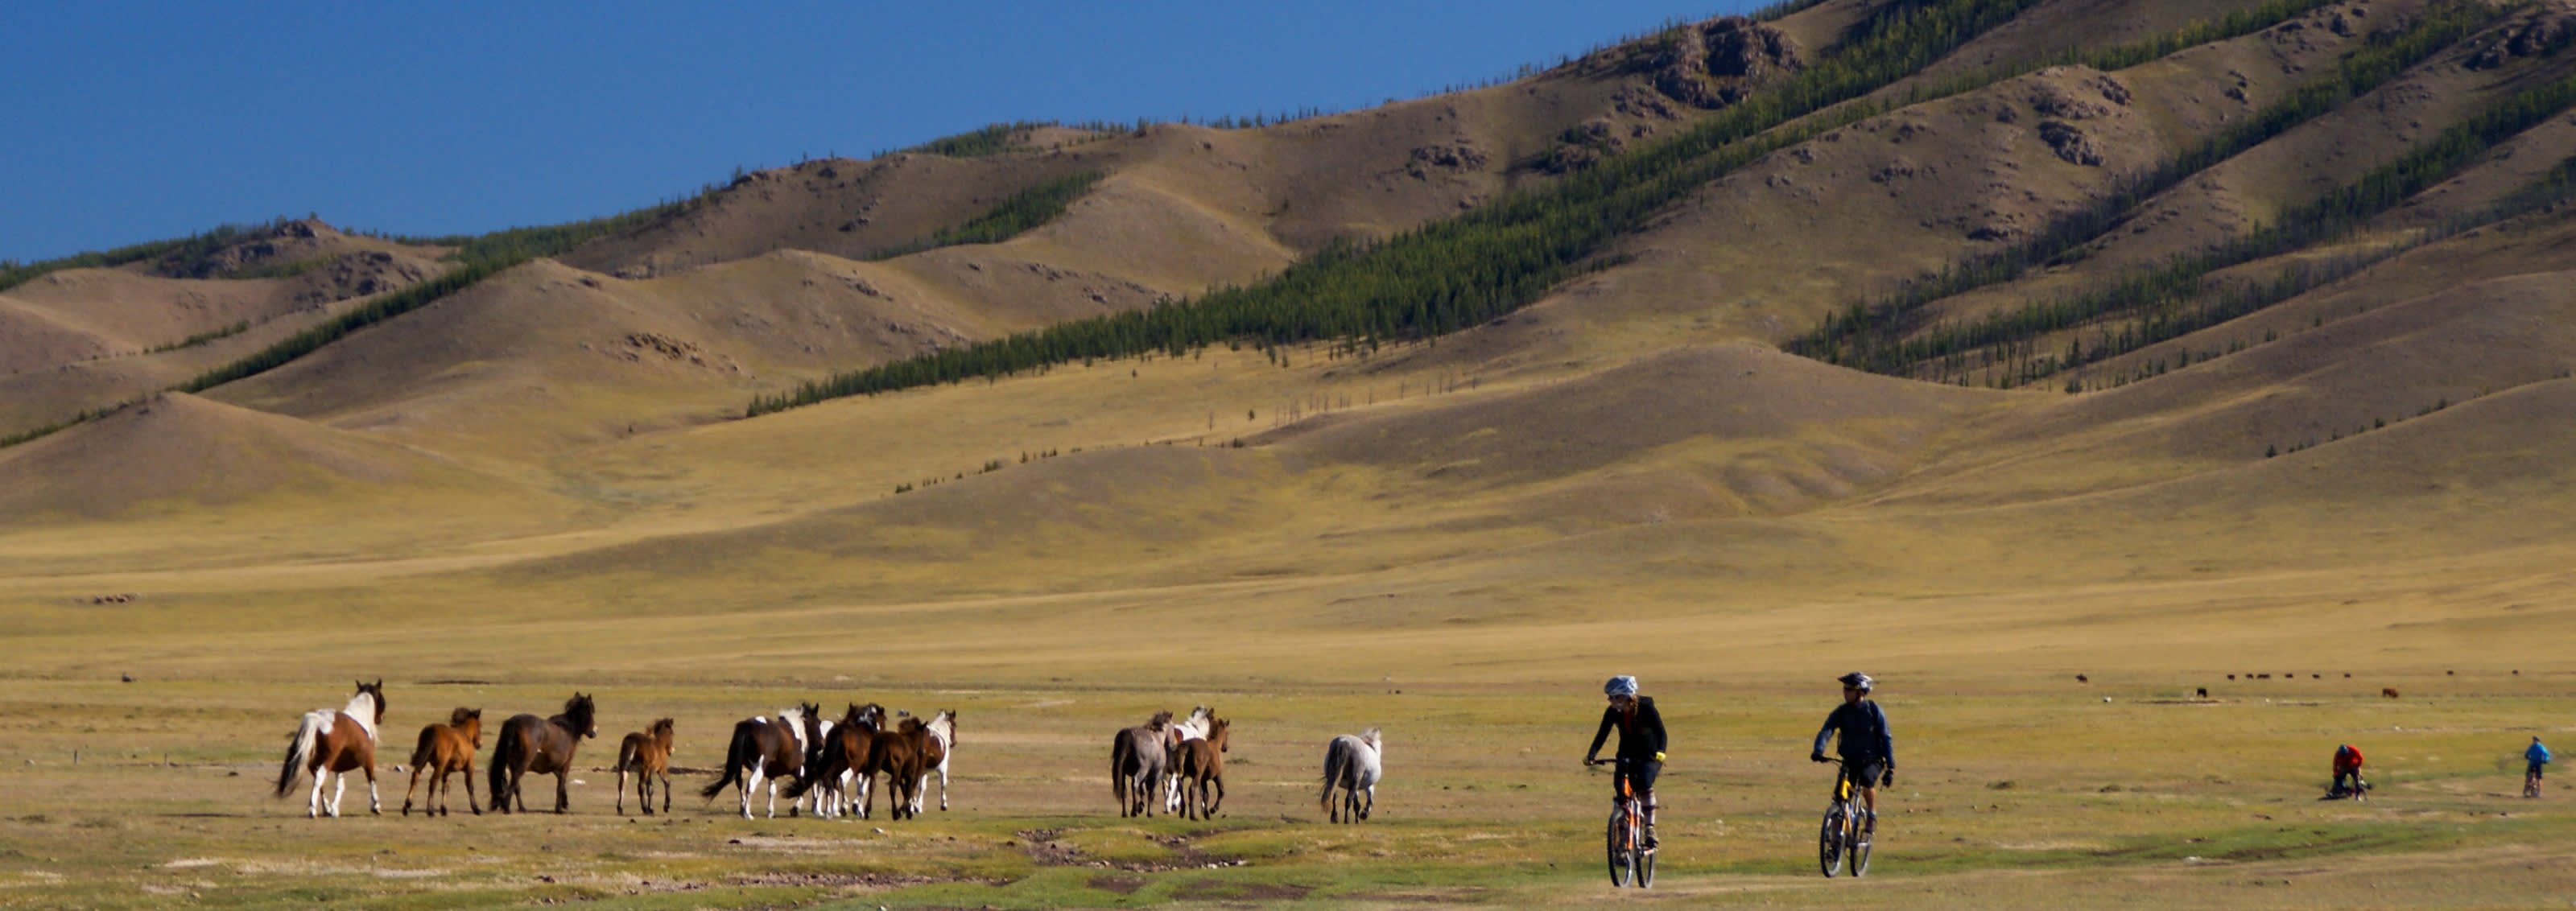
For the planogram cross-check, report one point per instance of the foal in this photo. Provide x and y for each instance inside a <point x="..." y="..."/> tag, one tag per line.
<point x="540" y="745"/>
<point x="1202" y="767"/>
<point x="646" y="753"/>
<point x="331" y="743"/>
<point x="444" y="750"/>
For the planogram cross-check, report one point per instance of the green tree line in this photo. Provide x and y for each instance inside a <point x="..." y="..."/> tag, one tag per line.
<point x="1024" y="210"/>
<point x="1870" y="334"/>
<point x="1452" y="274"/>
<point x="2154" y="301"/>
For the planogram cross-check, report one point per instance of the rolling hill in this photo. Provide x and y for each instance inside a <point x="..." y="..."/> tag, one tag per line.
<point x="1632" y="436"/>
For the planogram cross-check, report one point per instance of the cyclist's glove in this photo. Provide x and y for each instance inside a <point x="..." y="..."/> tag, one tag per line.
<point x="1659" y="756"/>
<point x="1815" y="757"/>
<point x="1887" y="778"/>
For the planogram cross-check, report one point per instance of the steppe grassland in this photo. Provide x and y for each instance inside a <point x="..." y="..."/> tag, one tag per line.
<point x="2013" y="791"/>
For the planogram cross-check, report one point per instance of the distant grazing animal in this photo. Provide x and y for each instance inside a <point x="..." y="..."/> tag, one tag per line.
<point x="1202" y="772"/>
<point x="334" y="743"/>
<point x="1351" y="763"/>
<point x="2201" y="693"/>
<point x="942" y="729"/>
<point x="1194" y="727"/>
<point x="543" y="746"/>
<point x="2231" y="676"/>
<point x="647" y="753"/>
<point x="2262" y="676"/>
<point x="444" y="750"/>
<point x="845" y="749"/>
<point x="2390" y="692"/>
<point x="1137" y="757"/>
<point x="761" y="749"/>
<point x="2079" y="678"/>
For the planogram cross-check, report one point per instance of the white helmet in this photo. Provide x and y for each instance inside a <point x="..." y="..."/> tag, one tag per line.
<point x="1622" y="685"/>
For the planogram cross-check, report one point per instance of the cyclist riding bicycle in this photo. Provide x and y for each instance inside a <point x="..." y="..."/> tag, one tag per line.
<point x="1867" y="749"/>
<point x="2537" y="760"/>
<point x="1641" y="745"/>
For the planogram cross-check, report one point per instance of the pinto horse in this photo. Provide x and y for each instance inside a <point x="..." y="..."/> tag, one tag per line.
<point x="1137" y="757"/>
<point x="333" y="743"/>
<point x="943" y="735"/>
<point x="1202" y="766"/>
<point x="760" y="749"/>
<point x="1351" y="763"/>
<point x="444" y="750"/>
<point x="646" y="753"/>
<point x="541" y="745"/>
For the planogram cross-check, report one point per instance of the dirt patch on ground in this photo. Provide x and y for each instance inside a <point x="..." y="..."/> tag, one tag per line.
<point x="1046" y="848"/>
<point x="842" y="880"/>
<point x="1204" y="889"/>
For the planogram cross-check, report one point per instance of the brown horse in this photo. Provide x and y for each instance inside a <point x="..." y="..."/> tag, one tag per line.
<point x="646" y="753"/>
<point x="760" y="749"/>
<point x="848" y="746"/>
<point x="903" y="754"/>
<point x="444" y="750"/>
<point x="335" y="743"/>
<point x="541" y="745"/>
<point x="1201" y="767"/>
<point x="1137" y="758"/>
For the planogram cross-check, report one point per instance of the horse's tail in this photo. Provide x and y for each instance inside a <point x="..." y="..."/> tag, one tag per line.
<point x="1122" y="753"/>
<point x="428" y="748"/>
<point x="1336" y="761"/>
<point x="627" y="760"/>
<point x="505" y="754"/>
<point x="734" y="761"/>
<point x="299" y="750"/>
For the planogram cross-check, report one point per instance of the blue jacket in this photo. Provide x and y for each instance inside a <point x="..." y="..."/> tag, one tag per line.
<point x="2537" y="753"/>
<point x="1864" y="729"/>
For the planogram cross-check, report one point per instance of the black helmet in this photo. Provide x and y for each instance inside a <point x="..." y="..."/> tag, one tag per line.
<point x="1857" y="680"/>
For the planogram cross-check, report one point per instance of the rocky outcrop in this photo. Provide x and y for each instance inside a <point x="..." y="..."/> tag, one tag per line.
<point x="2540" y="37"/>
<point x="2070" y="143"/>
<point x="1719" y="62"/>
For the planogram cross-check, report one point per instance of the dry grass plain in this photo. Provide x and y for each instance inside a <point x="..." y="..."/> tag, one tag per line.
<point x="1340" y="574"/>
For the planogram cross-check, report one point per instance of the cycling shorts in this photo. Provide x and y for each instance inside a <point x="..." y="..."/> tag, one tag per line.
<point x="1640" y="777"/>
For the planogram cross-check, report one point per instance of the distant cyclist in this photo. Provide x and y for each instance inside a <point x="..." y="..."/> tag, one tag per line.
<point x="1641" y="745"/>
<point x="2347" y="766"/>
<point x="1867" y="749"/>
<point x="2537" y="758"/>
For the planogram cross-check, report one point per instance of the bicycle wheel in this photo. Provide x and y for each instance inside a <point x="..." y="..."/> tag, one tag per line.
<point x="1829" y="841"/>
<point x="1858" y="855"/>
<point x="1645" y="869"/>
<point x="1617" y="841"/>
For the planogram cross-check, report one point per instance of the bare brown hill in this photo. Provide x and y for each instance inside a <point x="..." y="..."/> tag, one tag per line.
<point x="177" y="455"/>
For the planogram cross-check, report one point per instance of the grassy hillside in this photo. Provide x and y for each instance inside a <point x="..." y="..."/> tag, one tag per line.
<point x="1506" y="410"/>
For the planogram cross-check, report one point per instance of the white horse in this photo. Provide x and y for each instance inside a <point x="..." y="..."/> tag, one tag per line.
<point x="1192" y="728"/>
<point x="943" y="736"/>
<point x="1351" y="763"/>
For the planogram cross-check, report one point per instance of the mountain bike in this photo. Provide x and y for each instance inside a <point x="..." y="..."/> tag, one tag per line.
<point x="1847" y="829"/>
<point x="2531" y="782"/>
<point x="1629" y="857"/>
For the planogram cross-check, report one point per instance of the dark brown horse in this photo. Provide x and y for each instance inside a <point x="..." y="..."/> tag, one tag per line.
<point x="763" y="749"/>
<point x="335" y="743"/>
<point x="543" y="746"/>
<point x="1137" y="759"/>
<point x="903" y="754"/>
<point x="444" y="750"/>
<point x="1201" y="767"/>
<point x="848" y="745"/>
<point x="646" y="753"/>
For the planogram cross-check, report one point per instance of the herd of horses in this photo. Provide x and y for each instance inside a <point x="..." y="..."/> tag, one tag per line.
<point x="827" y="765"/>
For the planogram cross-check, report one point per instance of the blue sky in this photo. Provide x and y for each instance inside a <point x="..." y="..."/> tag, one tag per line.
<point x="130" y="122"/>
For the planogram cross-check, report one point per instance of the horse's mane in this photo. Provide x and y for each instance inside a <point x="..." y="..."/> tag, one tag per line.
<point x="458" y="718"/>
<point x="910" y="726"/>
<point x="661" y="726"/>
<point x="1160" y="720"/>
